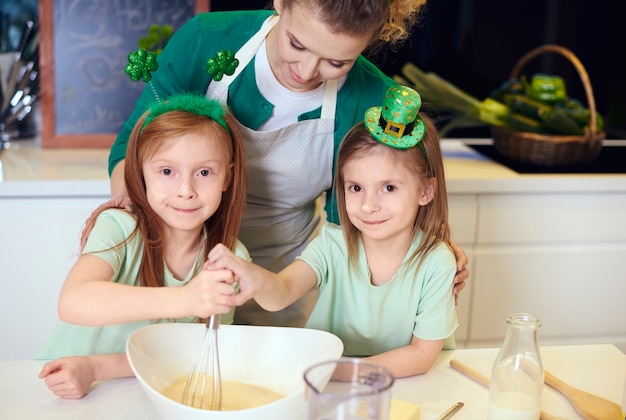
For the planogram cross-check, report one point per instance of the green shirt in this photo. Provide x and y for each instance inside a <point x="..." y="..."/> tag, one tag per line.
<point x="112" y="227"/>
<point x="182" y="69"/>
<point x="373" y="319"/>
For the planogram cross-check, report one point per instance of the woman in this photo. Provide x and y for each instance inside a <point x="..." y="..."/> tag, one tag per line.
<point x="300" y="85"/>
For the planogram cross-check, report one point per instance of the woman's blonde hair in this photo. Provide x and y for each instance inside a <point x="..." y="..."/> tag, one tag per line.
<point x="389" y="21"/>
<point x="431" y="219"/>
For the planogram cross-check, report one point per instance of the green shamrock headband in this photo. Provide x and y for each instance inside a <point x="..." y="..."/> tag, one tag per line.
<point x="192" y="103"/>
<point x="397" y="123"/>
<point x="142" y="63"/>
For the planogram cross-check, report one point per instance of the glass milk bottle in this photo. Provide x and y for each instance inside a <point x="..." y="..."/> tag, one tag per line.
<point x="516" y="385"/>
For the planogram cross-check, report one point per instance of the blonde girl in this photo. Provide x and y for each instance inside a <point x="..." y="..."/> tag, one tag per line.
<point x="385" y="276"/>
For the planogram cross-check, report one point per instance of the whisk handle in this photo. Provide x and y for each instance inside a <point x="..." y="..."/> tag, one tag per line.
<point x="213" y="322"/>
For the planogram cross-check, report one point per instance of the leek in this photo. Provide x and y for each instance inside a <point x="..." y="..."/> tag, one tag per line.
<point x="465" y="110"/>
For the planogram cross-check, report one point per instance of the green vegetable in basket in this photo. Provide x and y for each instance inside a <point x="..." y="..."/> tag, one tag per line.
<point x="579" y="113"/>
<point x="520" y="122"/>
<point x="554" y="118"/>
<point x="539" y="106"/>
<point x="547" y="88"/>
<point x="509" y="86"/>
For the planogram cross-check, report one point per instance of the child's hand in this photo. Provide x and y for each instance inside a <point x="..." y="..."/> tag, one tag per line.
<point x="208" y="292"/>
<point x="246" y="274"/>
<point x="69" y="377"/>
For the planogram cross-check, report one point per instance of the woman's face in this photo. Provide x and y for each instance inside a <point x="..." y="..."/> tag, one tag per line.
<point x="303" y="52"/>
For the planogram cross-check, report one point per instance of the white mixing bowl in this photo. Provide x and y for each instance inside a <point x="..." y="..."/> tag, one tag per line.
<point x="271" y="357"/>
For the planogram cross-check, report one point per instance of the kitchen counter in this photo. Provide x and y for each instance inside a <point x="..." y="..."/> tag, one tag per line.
<point x="27" y="169"/>
<point x="599" y="369"/>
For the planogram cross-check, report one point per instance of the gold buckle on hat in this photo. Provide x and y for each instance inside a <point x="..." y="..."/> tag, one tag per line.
<point x="394" y="129"/>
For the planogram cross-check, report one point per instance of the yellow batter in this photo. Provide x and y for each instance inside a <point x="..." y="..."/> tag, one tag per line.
<point x="235" y="395"/>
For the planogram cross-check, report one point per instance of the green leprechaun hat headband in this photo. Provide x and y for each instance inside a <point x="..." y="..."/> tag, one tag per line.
<point x="396" y="123"/>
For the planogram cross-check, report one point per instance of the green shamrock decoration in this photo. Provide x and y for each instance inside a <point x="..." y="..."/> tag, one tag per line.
<point x="141" y="64"/>
<point x="223" y="63"/>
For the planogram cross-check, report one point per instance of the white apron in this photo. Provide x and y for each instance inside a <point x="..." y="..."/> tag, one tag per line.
<point x="287" y="169"/>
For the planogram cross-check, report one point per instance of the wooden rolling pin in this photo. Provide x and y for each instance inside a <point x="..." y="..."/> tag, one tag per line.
<point x="482" y="379"/>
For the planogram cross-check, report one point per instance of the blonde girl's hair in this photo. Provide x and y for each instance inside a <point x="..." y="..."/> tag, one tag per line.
<point x="431" y="219"/>
<point x="146" y="140"/>
<point x="389" y="21"/>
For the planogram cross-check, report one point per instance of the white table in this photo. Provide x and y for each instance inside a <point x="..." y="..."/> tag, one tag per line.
<point x="599" y="369"/>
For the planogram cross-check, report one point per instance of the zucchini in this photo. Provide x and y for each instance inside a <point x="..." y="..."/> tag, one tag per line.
<point x="525" y="106"/>
<point x="520" y="122"/>
<point x="579" y="114"/>
<point x="510" y="86"/>
<point x="558" y="120"/>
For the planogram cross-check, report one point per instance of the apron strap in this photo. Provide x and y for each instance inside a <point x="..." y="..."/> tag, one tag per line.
<point x="329" y="104"/>
<point x="249" y="49"/>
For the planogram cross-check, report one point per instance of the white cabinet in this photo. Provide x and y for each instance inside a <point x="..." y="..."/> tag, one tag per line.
<point x="462" y="214"/>
<point x="40" y="241"/>
<point x="559" y="256"/>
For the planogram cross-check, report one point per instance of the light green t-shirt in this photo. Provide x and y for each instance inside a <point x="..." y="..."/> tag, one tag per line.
<point x="373" y="319"/>
<point x="112" y="227"/>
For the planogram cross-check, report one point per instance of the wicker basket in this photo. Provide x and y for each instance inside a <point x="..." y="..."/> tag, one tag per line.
<point x="551" y="150"/>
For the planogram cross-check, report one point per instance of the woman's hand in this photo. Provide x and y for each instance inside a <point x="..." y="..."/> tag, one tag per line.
<point x="462" y="273"/>
<point x="69" y="377"/>
<point x="119" y="202"/>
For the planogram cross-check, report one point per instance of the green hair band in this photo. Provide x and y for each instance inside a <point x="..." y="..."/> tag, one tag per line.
<point x="192" y="103"/>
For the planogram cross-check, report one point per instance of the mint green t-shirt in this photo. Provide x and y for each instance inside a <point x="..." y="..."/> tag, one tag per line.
<point x="373" y="319"/>
<point x="112" y="227"/>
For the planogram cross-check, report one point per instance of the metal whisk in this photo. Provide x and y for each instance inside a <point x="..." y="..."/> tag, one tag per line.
<point x="203" y="388"/>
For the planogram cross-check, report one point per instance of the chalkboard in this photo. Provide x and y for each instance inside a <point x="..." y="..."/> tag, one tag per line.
<point x="86" y="95"/>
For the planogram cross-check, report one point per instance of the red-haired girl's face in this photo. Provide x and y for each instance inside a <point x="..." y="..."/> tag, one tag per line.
<point x="186" y="178"/>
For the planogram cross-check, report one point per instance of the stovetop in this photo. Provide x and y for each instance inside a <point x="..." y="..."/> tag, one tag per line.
<point x="612" y="159"/>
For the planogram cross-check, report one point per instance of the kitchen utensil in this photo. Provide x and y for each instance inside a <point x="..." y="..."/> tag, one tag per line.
<point x="270" y="357"/>
<point x="18" y="63"/>
<point x="20" y="110"/>
<point x="483" y="380"/>
<point x="591" y="407"/>
<point x="203" y="388"/>
<point x="451" y="411"/>
<point x="348" y="388"/>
